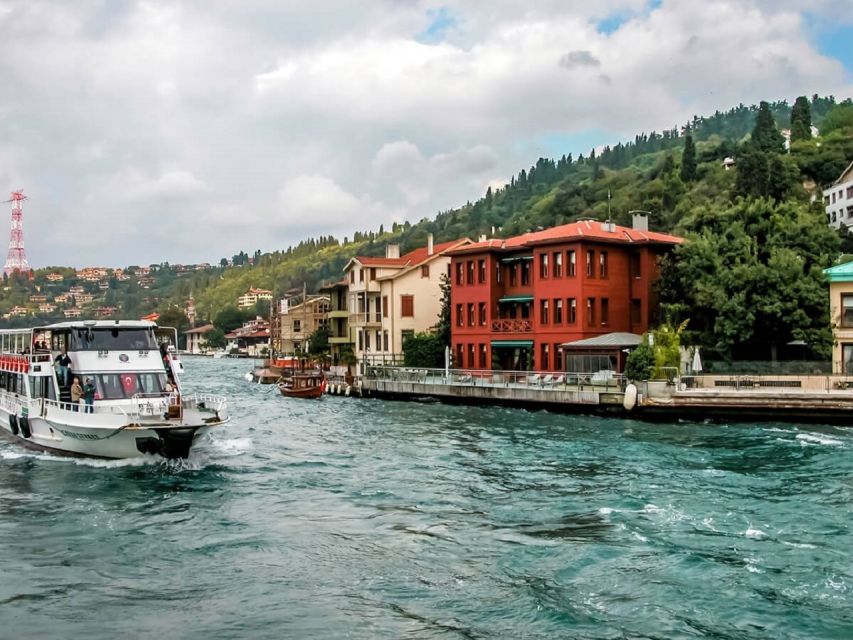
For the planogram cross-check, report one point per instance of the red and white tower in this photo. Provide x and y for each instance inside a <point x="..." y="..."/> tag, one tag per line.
<point x="16" y="260"/>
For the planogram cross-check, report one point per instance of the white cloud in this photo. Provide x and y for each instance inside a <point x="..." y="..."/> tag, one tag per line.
<point x="246" y="124"/>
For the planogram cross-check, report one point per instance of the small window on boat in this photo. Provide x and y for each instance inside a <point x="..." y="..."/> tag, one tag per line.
<point x="109" y="386"/>
<point x="152" y="383"/>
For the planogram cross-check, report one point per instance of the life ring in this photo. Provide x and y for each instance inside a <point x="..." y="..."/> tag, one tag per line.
<point x="630" y="399"/>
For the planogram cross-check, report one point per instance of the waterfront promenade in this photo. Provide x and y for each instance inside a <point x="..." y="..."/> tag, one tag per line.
<point x="810" y="398"/>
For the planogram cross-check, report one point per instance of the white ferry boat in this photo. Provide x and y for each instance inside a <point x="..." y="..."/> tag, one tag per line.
<point x="139" y="406"/>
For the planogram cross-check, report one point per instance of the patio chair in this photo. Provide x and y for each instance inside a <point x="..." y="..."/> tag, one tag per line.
<point x="548" y="380"/>
<point x="534" y="379"/>
<point x="559" y="380"/>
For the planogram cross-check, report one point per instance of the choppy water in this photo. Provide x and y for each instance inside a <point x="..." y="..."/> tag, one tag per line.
<point x="370" y="519"/>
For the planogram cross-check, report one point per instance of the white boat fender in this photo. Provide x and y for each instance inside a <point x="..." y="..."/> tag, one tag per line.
<point x="630" y="399"/>
<point x="13" y="424"/>
<point x="24" y="423"/>
<point x="347" y="392"/>
<point x="249" y="377"/>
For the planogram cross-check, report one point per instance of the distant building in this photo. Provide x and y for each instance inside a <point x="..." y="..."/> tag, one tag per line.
<point x="195" y="339"/>
<point x="55" y="277"/>
<point x="252" y="339"/>
<point x="105" y="312"/>
<point x="47" y="308"/>
<point x="340" y="339"/>
<point x="73" y="313"/>
<point x="728" y="163"/>
<point x="297" y="322"/>
<point x="19" y="312"/>
<point x="838" y="200"/>
<point x="252" y="296"/>
<point x="38" y="297"/>
<point x="841" y="316"/>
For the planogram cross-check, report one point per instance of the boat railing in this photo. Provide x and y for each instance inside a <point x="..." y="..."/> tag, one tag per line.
<point x="604" y="380"/>
<point x="208" y="401"/>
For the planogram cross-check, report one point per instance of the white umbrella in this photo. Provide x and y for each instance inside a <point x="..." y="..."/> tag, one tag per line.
<point x="697" y="361"/>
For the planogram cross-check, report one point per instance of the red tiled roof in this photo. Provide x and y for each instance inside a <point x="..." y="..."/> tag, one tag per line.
<point x="411" y="259"/>
<point x="584" y="229"/>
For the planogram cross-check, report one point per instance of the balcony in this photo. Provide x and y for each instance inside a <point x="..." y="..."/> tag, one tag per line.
<point x="339" y="340"/>
<point x="360" y="320"/>
<point x="511" y="325"/>
<point x="339" y="313"/>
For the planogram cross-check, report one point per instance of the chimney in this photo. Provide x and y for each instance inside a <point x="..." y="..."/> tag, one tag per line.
<point x="639" y="222"/>
<point x="429" y="245"/>
<point x="392" y="251"/>
<point x="482" y="238"/>
<point x="608" y="226"/>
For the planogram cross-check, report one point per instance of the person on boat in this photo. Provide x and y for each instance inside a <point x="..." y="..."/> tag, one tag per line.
<point x="89" y="396"/>
<point x="76" y="394"/>
<point x="63" y="367"/>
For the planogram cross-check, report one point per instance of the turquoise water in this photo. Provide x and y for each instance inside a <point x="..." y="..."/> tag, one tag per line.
<point x="370" y="519"/>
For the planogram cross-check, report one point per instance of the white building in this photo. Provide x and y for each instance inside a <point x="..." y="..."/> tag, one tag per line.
<point x="252" y="296"/>
<point x="838" y="200"/>
<point x="394" y="297"/>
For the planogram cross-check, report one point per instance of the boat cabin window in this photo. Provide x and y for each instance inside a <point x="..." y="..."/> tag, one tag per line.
<point x="113" y="339"/>
<point x="58" y="340"/>
<point x="118" y="386"/>
<point x="13" y="382"/>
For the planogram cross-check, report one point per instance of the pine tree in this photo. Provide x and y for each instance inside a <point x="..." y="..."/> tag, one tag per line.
<point x="801" y="120"/>
<point x="765" y="135"/>
<point x="688" y="160"/>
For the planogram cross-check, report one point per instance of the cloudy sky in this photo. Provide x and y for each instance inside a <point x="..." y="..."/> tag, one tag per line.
<point x="187" y="131"/>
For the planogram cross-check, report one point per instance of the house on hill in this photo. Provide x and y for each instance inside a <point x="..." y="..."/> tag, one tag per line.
<point x="838" y="200"/>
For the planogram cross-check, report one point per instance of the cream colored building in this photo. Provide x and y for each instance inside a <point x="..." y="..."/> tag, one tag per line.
<point x="252" y="296"/>
<point x="393" y="297"/>
<point x="841" y="315"/>
<point x="297" y="322"/>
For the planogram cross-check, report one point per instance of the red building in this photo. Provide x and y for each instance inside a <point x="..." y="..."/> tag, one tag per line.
<point x="515" y="301"/>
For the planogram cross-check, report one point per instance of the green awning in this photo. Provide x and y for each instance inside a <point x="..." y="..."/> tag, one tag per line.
<point x="510" y="344"/>
<point x="516" y="259"/>
<point x="516" y="299"/>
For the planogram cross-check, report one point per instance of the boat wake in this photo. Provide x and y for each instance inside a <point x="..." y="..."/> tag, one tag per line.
<point x="83" y="462"/>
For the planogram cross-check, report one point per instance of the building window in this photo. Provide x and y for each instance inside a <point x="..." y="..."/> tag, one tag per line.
<point x="636" y="268"/>
<point x="543" y="265"/>
<point x="602" y="264"/>
<point x="483" y="314"/>
<point x="572" y="263"/>
<point x="373" y="273"/>
<point x="359" y="340"/>
<point x="636" y="312"/>
<point x="847" y="310"/>
<point x="543" y="315"/>
<point x="379" y="340"/>
<point x="483" y="355"/>
<point x="471" y="353"/>
<point x="498" y="268"/>
<point x="460" y="350"/>
<point x="558" y="311"/>
<point x="471" y="314"/>
<point x="513" y="274"/>
<point x="572" y="311"/>
<point x="605" y="310"/>
<point x="545" y="363"/>
<point x="425" y="271"/>
<point x="590" y="311"/>
<point x="352" y="276"/>
<point x="405" y="334"/>
<point x="361" y="275"/>
<point x="384" y="306"/>
<point x="460" y="316"/>
<point x="590" y="263"/>
<point x="460" y="275"/>
<point x="407" y="306"/>
<point x="367" y="340"/>
<point x="481" y="271"/>
<point x="558" y="264"/>
<point x="558" y="358"/>
<point x="525" y="273"/>
<point x="297" y="326"/>
<point x="850" y="192"/>
<point x="470" y="272"/>
<point x="385" y="340"/>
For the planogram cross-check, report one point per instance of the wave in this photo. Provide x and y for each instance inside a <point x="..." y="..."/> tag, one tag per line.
<point x="810" y="438"/>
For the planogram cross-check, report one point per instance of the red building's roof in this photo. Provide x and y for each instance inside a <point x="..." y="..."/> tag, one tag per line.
<point x="583" y="230"/>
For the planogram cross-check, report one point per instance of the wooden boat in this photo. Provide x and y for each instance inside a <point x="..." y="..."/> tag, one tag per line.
<point x="303" y="385"/>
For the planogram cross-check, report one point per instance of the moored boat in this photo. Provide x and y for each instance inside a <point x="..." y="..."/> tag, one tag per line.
<point x="136" y="402"/>
<point x="303" y="385"/>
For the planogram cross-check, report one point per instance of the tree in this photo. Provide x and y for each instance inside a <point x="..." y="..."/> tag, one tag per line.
<point x="176" y="318"/>
<point x="688" y="160"/>
<point x="639" y="364"/>
<point x="318" y="342"/>
<point x="444" y="323"/>
<point x="231" y="318"/>
<point x="801" y="120"/>
<point x="839" y="118"/>
<point x="765" y="135"/>
<point x="750" y="278"/>
<point x="214" y="339"/>
<point x="423" y="350"/>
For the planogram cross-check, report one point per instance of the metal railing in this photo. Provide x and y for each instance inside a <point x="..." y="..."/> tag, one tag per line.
<point x="511" y="325"/>
<point x="767" y="383"/>
<point x="545" y="380"/>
